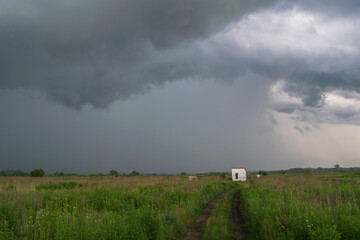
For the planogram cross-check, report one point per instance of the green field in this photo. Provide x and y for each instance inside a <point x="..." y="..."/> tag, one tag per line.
<point x="303" y="207"/>
<point x="296" y="206"/>
<point x="156" y="207"/>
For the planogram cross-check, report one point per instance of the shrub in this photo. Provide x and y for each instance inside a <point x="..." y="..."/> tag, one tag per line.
<point x="113" y="173"/>
<point x="308" y="172"/>
<point x="134" y="173"/>
<point x="37" y="173"/>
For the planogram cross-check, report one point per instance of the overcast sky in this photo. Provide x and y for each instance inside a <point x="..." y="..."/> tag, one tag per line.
<point x="167" y="86"/>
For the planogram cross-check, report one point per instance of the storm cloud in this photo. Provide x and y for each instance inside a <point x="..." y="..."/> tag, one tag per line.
<point x="282" y="61"/>
<point x="91" y="52"/>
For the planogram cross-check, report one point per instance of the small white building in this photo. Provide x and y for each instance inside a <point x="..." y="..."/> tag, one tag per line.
<point x="192" y="178"/>
<point x="238" y="174"/>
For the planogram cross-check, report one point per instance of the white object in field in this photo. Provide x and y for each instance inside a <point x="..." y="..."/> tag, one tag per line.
<point x="258" y="175"/>
<point x="238" y="174"/>
<point x="192" y="178"/>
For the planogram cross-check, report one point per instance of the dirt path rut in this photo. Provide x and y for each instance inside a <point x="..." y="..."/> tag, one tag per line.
<point x="194" y="230"/>
<point x="239" y="222"/>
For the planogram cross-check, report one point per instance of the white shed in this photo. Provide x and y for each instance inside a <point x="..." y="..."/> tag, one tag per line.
<point x="238" y="174"/>
<point x="192" y="178"/>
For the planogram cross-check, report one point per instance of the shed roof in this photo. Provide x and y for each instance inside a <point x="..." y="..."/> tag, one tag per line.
<point x="238" y="168"/>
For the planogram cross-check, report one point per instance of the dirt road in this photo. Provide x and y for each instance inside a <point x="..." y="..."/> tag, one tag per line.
<point x="194" y="231"/>
<point x="237" y="218"/>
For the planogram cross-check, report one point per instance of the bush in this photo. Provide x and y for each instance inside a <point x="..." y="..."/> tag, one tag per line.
<point x="113" y="173"/>
<point x="134" y="173"/>
<point x="37" y="173"/>
<point x="308" y="172"/>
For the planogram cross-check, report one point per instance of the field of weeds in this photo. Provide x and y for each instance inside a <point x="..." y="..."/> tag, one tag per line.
<point x="296" y="206"/>
<point x="302" y="207"/>
<point x="144" y="207"/>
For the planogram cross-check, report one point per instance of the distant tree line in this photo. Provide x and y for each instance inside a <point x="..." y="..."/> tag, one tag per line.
<point x="212" y="173"/>
<point x="18" y="173"/>
<point x="13" y="173"/>
<point x="335" y="169"/>
<point x="264" y="173"/>
<point x="114" y="173"/>
<point x="41" y="173"/>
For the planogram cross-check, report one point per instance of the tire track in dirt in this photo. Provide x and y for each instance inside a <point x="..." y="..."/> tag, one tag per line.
<point x="195" y="229"/>
<point x="238" y="220"/>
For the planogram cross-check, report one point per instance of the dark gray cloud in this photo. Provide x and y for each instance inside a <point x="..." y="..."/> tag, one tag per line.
<point x="96" y="52"/>
<point x="91" y="52"/>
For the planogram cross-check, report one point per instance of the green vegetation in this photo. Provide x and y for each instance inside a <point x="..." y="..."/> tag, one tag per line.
<point x="297" y="206"/>
<point x="37" y="173"/>
<point x="17" y="173"/>
<point x="335" y="169"/>
<point x="58" y="174"/>
<point x="134" y="173"/>
<point x="223" y="175"/>
<point x="113" y="173"/>
<point x="264" y="173"/>
<point x="55" y="186"/>
<point x="220" y="224"/>
<point x="153" y="207"/>
<point x="345" y="176"/>
<point x="301" y="207"/>
<point x="307" y="172"/>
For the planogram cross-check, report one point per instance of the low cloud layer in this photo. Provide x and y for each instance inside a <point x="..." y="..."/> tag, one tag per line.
<point x="335" y="107"/>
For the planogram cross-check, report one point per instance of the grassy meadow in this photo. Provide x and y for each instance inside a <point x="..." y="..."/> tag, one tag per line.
<point x="144" y="207"/>
<point x="289" y="206"/>
<point x="302" y="207"/>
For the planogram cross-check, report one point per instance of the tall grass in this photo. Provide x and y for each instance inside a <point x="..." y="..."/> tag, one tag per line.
<point x="103" y="208"/>
<point x="301" y="207"/>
